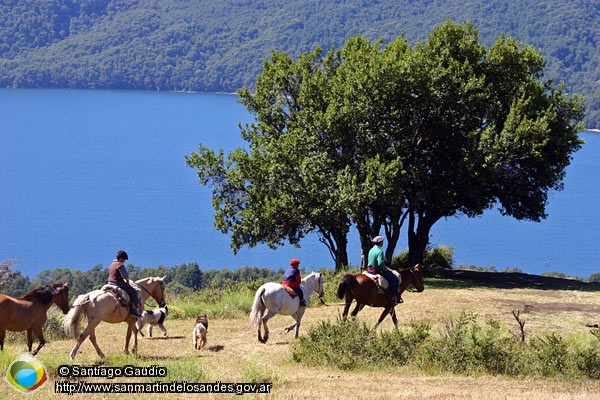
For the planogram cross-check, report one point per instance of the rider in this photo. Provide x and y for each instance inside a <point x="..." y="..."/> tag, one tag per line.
<point x="118" y="276"/>
<point x="376" y="262"/>
<point x="292" y="279"/>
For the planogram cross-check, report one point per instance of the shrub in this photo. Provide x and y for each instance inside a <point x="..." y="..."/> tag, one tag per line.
<point x="464" y="347"/>
<point x="53" y="329"/>
<point x="259" y="373"/>
<point x="349" y="345"/>
<point x="439" y="257"/>
<point x="550" y="355"/>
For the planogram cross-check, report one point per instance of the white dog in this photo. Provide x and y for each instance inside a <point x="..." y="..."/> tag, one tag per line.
<point x="199" y="332"/>
<point x="153" y="318"/>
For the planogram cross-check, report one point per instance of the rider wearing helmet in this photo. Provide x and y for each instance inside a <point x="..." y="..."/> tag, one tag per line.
<point x="118" y="276"/>
<point x="376" y="262"/>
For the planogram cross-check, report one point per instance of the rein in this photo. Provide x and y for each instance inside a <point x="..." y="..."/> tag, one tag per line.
<point x="149" y="294"/>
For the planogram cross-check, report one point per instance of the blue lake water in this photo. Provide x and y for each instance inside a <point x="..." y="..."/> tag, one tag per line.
<point x="85" y="173"/>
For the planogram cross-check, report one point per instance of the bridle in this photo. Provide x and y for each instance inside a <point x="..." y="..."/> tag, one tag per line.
<point x="162" y="289"/>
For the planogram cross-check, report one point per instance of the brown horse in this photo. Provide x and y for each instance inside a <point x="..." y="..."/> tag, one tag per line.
<point x="28" y="312"/>
<point x="364" y="290"/>
<point x="99" y="305"/>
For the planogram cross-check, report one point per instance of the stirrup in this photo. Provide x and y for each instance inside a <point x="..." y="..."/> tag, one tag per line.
<point x="134" y="312"/>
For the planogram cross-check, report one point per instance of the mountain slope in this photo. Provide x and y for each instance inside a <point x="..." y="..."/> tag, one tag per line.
<point x="213" y="46"/>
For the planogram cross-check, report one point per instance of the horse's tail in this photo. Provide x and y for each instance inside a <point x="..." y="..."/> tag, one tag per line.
<point x="258" y="307"/>
<point x="71" y="320"/>
<point x="345" y="284"/>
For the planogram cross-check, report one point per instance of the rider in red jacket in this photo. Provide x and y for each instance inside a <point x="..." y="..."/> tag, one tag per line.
<point x="292" y="279"/>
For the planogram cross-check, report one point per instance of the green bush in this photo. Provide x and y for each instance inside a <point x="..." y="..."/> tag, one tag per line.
<point x="439" y="257"/>
<point x="465" y="347"/>
<point x="53" y="329"/>
<point x="349" y="345"/>
<point x="550" y="356"/>
<point x="588" y="362"/>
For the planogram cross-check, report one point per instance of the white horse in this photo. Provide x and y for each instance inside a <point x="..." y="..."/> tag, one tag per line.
<point x="98" y="306"/>
<point x="277" y="300"/>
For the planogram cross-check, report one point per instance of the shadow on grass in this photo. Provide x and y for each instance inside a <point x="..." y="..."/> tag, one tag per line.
<point x="458" y="278"/>
<point x="163" y="337"/>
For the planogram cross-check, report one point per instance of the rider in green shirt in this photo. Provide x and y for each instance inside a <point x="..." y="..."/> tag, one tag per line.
<point x="376" y="262"/>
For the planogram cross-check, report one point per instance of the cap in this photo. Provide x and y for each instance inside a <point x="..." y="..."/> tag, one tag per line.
<point x="377" y="239"/>
<point x="294" y="261"/>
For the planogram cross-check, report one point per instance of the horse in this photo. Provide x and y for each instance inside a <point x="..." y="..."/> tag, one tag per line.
<point x="365" y="291"/>
<point x="274" y="297"/>
<point x="99" y="305"/>
<point x="28" y="312"/>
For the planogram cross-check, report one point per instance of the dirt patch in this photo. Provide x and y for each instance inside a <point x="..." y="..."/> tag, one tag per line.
<point x="513" y="280"/>
<point x="549" y="308"/>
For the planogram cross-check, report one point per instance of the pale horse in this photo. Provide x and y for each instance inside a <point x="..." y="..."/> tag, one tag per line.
<point x="276" y="299"/>
<point x="99" y="305"/>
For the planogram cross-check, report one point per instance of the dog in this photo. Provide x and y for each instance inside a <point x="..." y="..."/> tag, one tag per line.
<point x="153" y="318"/>
<point x="199" y="332"/>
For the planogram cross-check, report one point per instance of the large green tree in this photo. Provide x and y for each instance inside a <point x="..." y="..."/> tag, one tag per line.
<point x="377" y="135"/>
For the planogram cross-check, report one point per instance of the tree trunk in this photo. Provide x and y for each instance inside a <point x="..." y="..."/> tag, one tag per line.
<point x="418" y="238"/>
<point x="392" y="234"/>
<point x="337" y="243"/>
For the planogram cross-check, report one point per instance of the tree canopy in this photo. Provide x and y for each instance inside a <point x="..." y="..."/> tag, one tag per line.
<point x="391" y="136"/>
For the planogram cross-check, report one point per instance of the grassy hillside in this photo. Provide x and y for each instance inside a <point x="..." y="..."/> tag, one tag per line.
<point x="220" y="45"/>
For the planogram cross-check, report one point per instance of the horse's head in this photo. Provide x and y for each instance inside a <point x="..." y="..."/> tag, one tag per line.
<point x="319" y="286"/>
<point x="61" y="296"/>
<point x="155" y="287"/>
<point x="415" y="277"/>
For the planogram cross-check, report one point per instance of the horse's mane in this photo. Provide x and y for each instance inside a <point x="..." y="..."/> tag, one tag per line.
<point x="44" y="293"/>
<point x="313" y="273"/>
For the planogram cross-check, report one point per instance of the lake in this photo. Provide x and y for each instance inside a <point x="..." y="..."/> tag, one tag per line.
<point x="85" y="173"/>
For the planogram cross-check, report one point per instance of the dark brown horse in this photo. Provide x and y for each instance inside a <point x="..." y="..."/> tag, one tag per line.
<point x="28" y="312"/>
<point x="364" y="290"/>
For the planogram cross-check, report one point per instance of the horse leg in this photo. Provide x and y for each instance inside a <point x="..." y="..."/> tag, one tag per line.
<point x="135" y="341"/>
<point x="89" y="329"/>
<point x="298" y="319"/>
<point x="2" y="336"/>
<point x="349" y="299"/>
<point x="29" y="339"/>
<point x="264" y="320"/>
<point x="131" y="328"/>
<point x="385" y="312"/>
<point x="394" y="318"/>
<point x="127" y="338"/>
<point x="40" y="335"/>
<point x="290" y="327"/>
<point x="359" y="306"/>
<point x="93" y="340"/>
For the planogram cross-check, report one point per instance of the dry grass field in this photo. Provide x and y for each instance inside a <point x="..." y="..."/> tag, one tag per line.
<point x="233" y="353"/>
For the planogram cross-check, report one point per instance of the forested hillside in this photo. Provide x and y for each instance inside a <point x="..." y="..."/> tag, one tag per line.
<point x="218" y="46"/>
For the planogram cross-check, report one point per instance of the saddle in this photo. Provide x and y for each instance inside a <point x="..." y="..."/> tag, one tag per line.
<point x="381" y="282"/>
<point x="290" y="291"/>
<point x="119" y="294"/>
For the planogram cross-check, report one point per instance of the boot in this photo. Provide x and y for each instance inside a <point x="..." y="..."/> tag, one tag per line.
<point x="133" y="311"/>
<point x="302" y="303"/>
<point x="395" y="300"/>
